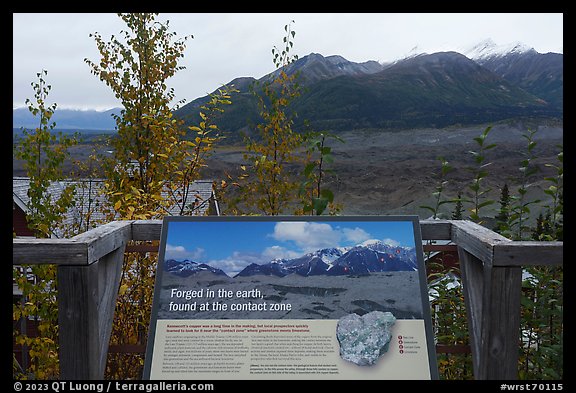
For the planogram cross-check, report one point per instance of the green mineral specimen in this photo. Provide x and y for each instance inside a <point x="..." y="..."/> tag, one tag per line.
<point x="363" y="339"/>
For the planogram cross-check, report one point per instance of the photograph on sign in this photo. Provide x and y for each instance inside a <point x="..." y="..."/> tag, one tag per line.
<point x="291" y="298"/>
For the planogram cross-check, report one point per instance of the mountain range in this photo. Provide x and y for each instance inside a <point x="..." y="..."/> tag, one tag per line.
<point x="70" y="119"/>
<point x="539" y="74"/>
<point x="362" y="259"/>
<point x="424" y="90"/>
<point x="484" y="84"/>
<point x="187" y="268"/>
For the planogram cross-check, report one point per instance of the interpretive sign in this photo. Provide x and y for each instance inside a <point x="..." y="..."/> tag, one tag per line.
<point x="291" y="298"/>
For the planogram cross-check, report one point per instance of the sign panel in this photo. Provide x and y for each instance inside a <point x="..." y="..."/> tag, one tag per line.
<point x="291" y="298"/>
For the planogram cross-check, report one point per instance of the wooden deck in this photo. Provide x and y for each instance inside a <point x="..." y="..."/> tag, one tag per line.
<point x="89" y="267"/>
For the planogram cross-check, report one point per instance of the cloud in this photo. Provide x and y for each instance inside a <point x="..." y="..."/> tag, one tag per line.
<point x="308" y="236"/>
<point x="233" y="264"/>
<point x="391" y="242"/>
<point x="311" y="236"/>
<point x="369" y="242"/>
<point x="278" y="252"/>
<point x="180" y="252"/>
<point x="236" y="262"/>
<point x="356" y="235"/>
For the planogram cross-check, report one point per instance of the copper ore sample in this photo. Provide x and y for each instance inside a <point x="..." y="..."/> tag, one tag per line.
<point x="363" y="339"/>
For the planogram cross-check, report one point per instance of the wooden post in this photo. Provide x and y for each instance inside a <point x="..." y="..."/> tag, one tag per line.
<point x="492" y="296"/>
<point x="472" y="285"/>
<point x="501" y="324"/>
<point x="86" y="303"/>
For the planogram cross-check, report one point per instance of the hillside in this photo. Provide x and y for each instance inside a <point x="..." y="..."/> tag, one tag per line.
<point x="427" y="90"/>
<point x="539" y="74"/>
<point x="436" y="90"/>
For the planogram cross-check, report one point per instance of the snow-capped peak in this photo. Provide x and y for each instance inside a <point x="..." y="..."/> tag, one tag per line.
<point x="328" y="255"/>
<point x="488" y="48"/>
<point x="480" y="49"/>
<point x="370" y="242"/>
<point x="416" y="51"/>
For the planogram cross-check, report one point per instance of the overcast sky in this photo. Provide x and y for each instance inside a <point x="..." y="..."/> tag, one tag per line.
<point x="230" y="45"/>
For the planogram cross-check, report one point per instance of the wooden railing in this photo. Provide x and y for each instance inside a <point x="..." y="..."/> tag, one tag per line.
<point x="90" y="264"/>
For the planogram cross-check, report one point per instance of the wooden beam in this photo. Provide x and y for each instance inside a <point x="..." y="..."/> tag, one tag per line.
<point x="109" y="276"/>
<point x="492" y="297"/>
<point x="82" y="249"/>
<point x="78" y="335"/>
<point x="104" y="239"/>
<point x="146" y="229"/>
<point x="86" y="303"/>
<point x="142" y="248"/>
<point x="439" y="247"/>
<point x="436" y="229"/>
<point x="501" y="324"/>
<point x="528" y="253"/>
<point x="472" y="271"/>
<point x="476" y="239"/>
<point x="49" y="251"/>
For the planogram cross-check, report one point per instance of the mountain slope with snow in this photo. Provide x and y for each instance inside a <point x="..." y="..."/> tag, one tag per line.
<point x="374" y="256"/>
<point x="540" y="74"/>
<point x="488" y="49"/>
<point x="186" y="268"/>
<point x="421" y="90"/>
<point x="362" y="259"/>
